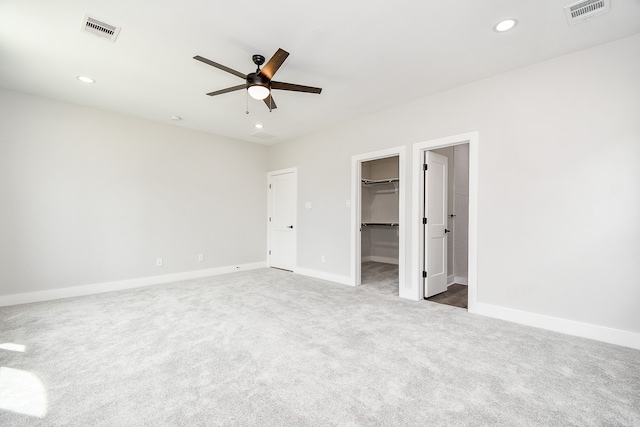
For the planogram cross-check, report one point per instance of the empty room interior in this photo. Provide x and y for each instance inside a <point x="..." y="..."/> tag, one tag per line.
<point x="351" y="214"/>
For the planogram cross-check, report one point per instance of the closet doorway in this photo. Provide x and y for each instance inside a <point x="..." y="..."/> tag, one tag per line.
<point x="462" y="247"/>
<point x="446" y="206"/>
<point x="378" y="255"/>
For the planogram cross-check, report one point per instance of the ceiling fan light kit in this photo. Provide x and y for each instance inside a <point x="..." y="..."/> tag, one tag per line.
<point x="259" y="84"/>
<point x="258" y="92"/>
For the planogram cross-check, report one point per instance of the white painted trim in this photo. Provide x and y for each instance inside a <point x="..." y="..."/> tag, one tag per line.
<point x="384" y="259"/>
<point x="270" y="176"/>
<point x="98" y="288"/>
<point x="343" y="280"/>
<point x="356" y="250"/>
<point x="356" y="186"/>
<point x="416" y="291"/>
<point x="461" y="280"/>
<point x="450" y="280"/>
<point x="282" y="171"/>
<point x="570" y="327"/>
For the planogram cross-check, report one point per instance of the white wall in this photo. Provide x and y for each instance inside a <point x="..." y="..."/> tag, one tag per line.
<point x="461" y="209"/>
<point x="89" y="197"/>
<point x="558" y="185"/>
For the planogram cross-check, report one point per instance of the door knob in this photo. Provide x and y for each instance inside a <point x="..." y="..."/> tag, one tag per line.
<point x="446" y="231"/>
<point x="289" y="226"/>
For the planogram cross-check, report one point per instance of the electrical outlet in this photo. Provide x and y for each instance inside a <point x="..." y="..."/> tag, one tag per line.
<point x="322" y="259"/>
<point x="201" y="257"/>
<point x="158" y="262"/>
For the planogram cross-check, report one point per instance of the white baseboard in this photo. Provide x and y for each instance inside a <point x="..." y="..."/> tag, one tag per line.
<point x="457" y="280"/>
<point x="384" y="260"/>
<point x="461" y="280"/>
<point x="99" y="288"/>
<point x="570" y="327"/>
<point x="343" y="280"/>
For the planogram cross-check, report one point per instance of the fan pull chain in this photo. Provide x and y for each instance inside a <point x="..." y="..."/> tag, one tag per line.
<point x="247" y="112"/>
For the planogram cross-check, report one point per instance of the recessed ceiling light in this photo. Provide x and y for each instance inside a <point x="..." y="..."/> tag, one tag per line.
<point x="258" y="126"/>
<point x="505" y="25"/>
<point x="85" y="79"/>
<point x="176" y="118"/>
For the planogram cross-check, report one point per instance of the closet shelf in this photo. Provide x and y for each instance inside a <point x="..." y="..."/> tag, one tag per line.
<point x="380" y="224"/>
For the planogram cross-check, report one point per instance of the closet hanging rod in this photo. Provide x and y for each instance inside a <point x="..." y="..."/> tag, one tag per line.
<point x="383" y="224"/>
<point x="380" y="181"/>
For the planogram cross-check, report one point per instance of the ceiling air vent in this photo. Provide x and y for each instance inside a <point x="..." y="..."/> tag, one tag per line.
<point x="100" y="29"/>
<point x="583" y="10"/>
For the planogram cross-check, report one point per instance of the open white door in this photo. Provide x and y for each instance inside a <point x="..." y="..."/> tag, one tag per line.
<point x="435" y="208"/>
<point x="282" y="219"/>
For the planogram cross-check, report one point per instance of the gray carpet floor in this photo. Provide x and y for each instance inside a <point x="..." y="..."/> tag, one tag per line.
<point x="270" y="348"/>
<point x="378" y="277"/>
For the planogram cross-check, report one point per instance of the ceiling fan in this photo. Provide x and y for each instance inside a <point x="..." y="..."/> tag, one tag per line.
<point x="259" y="83"/>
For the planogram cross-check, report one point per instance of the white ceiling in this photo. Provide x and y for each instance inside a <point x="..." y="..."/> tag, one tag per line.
<point x="366" y="55"/>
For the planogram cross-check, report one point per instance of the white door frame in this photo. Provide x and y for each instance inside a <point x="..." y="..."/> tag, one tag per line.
<point x="356" y="214"/>
<point x="270" y="175"/>
<point x="417" y="250"/>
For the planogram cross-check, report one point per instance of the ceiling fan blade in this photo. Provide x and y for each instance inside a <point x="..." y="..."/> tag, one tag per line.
<point x="229" y="89"/>
<point x="220" y="66"/>
<point x="294" y="87"/>
<point x="270" y="102"/>
<point x="274" y="63"/>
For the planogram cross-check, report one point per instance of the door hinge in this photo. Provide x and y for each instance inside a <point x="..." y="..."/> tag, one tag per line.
<point x="424" y="220"/>
<point x="425" y="167"/>
<point x="424" y="274"/>
<point x="269" y="185"/>
<point x="269" y="252"/>
<point x="269" y="219"/>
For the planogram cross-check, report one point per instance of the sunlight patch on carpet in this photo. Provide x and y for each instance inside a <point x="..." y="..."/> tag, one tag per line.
<point x="13" y="347"/>
<point x="22" y="392"/>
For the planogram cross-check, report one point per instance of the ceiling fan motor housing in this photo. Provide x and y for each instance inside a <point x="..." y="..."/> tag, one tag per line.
<point x="255" y="79"/>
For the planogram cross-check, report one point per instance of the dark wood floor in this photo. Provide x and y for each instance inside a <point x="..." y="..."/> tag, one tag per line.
<point x="456" y="295"/>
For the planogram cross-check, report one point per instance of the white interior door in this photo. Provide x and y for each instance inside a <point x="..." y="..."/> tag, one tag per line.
<point x="436" y="227"/>
<point x="282" y="220"/>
